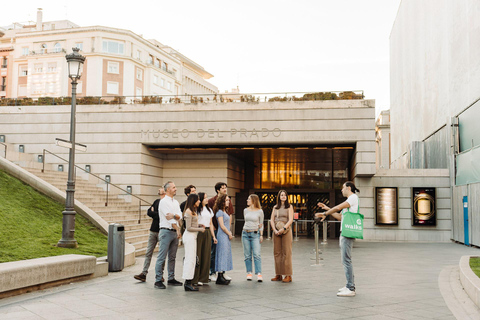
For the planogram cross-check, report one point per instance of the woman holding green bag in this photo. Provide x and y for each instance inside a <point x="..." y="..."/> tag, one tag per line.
<point x="349" y="231"/>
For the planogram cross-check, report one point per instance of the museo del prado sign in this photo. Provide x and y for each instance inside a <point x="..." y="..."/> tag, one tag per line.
<point x="210" y="133"/>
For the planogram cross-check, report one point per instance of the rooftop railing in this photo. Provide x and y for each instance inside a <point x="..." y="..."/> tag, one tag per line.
<point x="189" y="98"/>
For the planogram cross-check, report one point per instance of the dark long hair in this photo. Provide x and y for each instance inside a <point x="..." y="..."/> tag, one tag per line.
<point x="191" y="200"/>
<point x="220" y="203"/>
<point x="352" y="186"/>
<point x="279" y="202"/>
<point x="201" y="197"/>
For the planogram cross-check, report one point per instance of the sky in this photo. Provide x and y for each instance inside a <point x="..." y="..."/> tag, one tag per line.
<point x="261" y="46"/>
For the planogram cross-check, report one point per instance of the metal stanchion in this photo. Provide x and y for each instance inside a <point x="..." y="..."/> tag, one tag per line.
<point x="325" y="230"/>
<point x="317" y="251"/>
<point x="296" y="231"/>
<point x="268" y="230"/>
<point x="234" y="224"/>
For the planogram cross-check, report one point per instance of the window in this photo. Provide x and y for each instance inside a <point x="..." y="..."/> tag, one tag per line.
<point x="25" y="51"/>
<point x="79" y="86"/>
<point x="139" y="55"/>
<point x="157" y="63"/>
<point x="155" y="79"/>
<point x="43" y="48"/>
<point x="22" y="90"/>
<point x="23" y="71"/>
<point x="57" y="47"/>
<point x="52" y="67"/>
<point x="138" y="92"/>
<point x="112" y="87"/>
<point x="4" y="62"/>
<point x="169" y="85"/>
<point x="162" y="82"/>
<point x="79" y="45"/>
<point x="139" y="74"/>
<point x="113" y="67"/>
<point x="38" y="88"/>
<point x="164" y="66"/>
<point x="38" y="67"/>
<point x="53" y="26"/>
<point x="50" y="87"/>
<point x="110" y="46"/>
<point x="150" y="59"/>
<point x="3" y="86"/>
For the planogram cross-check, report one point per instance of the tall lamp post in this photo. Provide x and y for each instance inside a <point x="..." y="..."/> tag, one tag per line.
<point x="75" y="67"/>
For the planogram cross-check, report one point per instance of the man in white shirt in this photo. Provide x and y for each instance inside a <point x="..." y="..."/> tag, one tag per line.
<point x="169" y="213"/>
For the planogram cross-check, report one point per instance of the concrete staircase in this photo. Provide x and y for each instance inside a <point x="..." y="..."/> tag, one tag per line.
<point x="93" y="195"/>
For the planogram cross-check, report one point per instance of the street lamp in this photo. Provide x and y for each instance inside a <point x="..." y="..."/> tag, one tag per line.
<point x="75" y="67"/>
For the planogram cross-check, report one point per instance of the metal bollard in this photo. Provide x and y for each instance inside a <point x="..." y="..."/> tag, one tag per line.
<point x="325" y="230"/>
<point x="268" y="230"/>
<point x="317" y="251"/>
<point x="296" y="231"/>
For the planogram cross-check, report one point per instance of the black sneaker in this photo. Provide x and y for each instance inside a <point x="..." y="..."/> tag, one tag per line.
<point x="174" y="282"/>
<point x="159" y="285"/>
<point x="141" y="277"/>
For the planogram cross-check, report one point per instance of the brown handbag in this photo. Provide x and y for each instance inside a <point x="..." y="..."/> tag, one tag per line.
<point x="280" y="225"/>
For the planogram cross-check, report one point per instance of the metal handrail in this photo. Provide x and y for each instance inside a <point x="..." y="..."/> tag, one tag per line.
<point x="5" y="149"/>
<point x="98" y="177"/>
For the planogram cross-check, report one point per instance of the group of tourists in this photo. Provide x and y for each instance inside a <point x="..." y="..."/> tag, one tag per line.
<point x="204" y="225"/>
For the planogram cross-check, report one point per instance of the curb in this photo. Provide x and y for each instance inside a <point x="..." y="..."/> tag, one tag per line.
<point x="469" y="280"/>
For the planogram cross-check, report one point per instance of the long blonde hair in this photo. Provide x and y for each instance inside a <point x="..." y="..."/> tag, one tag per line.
<point x="255" y="201"/>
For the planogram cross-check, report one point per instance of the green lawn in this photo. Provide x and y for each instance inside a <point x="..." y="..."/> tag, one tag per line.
<point x="31" y="225"/>
<point x="475" y="265"/>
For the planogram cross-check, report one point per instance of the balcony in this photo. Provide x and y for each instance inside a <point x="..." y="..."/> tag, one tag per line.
<point x="45" y="51"/>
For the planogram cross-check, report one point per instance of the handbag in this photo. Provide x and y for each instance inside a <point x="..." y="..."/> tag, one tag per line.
<point x="352" y="224"/>
<point x="280" y="225"/>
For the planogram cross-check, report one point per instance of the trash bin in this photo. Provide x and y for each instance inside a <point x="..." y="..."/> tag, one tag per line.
<point x="116" y="247"/>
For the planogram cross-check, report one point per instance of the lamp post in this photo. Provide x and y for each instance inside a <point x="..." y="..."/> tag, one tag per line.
<point x="75" y="67"/>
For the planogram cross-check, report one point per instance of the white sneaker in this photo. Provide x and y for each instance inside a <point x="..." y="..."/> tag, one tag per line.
<point x="249" y="276"/>
<point x="346" y="293"/>
<point x="200" y="283"/>
<point x="259" y="278"/>
<point x="213" y="277"/>
<point x="341" y="289"/>
<point x="226" y="277"/>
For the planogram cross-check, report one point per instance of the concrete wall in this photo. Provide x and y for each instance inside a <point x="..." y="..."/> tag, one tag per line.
<point x="404" y="180"/>
<point x="434" y="66"/>
<point x="118" y="136"/>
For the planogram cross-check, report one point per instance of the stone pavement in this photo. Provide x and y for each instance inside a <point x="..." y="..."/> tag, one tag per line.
<point x="394" y="281"/>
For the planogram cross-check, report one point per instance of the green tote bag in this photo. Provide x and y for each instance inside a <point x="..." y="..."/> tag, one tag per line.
<point x="352" y="224"/>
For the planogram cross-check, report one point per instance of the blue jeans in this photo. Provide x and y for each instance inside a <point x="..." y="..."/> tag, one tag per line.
<point x="251" y="247"/>
<point x="346" y="245"/>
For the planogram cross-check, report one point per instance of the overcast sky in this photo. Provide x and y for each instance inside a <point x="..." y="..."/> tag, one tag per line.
<point x="262" y="46"/>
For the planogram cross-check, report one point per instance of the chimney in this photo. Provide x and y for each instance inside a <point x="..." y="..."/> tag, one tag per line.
<point x="39" y="19"/>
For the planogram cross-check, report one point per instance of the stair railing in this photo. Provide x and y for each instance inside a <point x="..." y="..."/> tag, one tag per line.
<point x="140" y="200"/>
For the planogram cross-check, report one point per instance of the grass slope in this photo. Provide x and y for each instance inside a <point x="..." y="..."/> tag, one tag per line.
<point x="475" y="265"/>
<point x="31" y="225"/>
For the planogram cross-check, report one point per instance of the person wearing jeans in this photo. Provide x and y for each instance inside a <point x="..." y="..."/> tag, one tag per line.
<point x="252" y="236"/>
<point x="346" y="244"/>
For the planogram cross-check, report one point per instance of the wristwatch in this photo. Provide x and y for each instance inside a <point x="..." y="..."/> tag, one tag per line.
<point x="284" y="228"/>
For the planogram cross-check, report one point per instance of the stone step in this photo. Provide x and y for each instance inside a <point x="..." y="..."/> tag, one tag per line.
<point x="137" y="238"/>
<point x="121" y="217"/>
<point x="143" y="225"/>
<point x="139" y="232"/>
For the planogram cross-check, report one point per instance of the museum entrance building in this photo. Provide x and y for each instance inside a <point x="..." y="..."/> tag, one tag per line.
<point x="309" y="148"/>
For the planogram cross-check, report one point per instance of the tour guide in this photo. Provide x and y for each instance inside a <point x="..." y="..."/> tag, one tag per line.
<point x="346" y="244"/>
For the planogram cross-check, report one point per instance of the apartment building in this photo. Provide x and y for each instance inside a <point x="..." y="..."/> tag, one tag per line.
<point x="118" y="63"/>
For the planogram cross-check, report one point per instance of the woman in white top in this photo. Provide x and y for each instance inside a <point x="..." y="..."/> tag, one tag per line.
<point x="204" y="240"/>
<point x="346" y="244"/>
<point x="252" y="236"/>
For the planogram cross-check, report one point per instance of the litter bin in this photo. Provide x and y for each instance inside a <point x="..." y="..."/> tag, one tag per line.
<point x="116" y="247"/>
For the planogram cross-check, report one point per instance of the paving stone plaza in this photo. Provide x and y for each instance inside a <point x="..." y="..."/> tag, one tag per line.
<point x="394" y="281"/>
